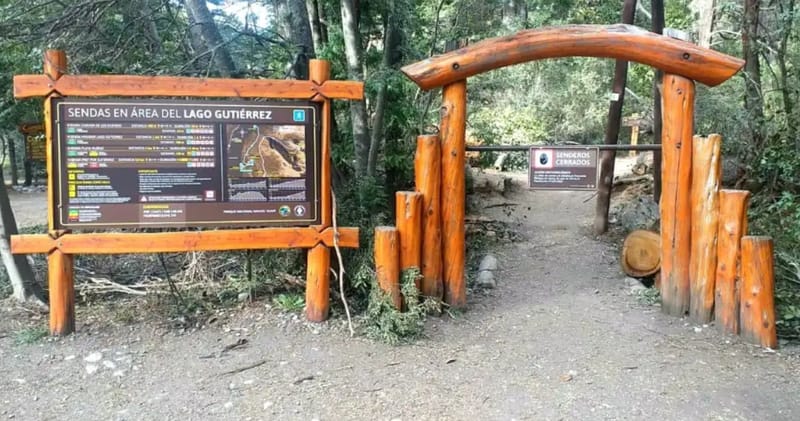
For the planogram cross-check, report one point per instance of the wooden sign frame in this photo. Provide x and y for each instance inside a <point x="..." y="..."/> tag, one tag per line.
<point x="61" y="245"/>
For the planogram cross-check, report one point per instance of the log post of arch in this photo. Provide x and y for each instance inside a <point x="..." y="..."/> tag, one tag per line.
<point x="676" y="210"/>
<point x="683" y="63"/>
<point x="454" y="190"/>
<point x="428" y="180"/>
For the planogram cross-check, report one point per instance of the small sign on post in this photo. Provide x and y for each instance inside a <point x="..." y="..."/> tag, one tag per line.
<point x="560" y="168"/>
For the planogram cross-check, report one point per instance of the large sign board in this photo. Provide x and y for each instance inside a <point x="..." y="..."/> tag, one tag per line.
<point x="145" y="163"/>
<point x="563" y="168"/>
<point x="35" y="144"/>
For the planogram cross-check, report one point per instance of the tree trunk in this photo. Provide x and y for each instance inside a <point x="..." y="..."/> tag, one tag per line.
<point x="12" y="160"/>
<point x="612" y="132"/>
<point x="312" y="8"/>
<point x="703" y="26"/>
<point x="657" y="10"/>
<point x="358" y="109"/>
<point x="390" y="59"/>
<point x="23" y="281"/>
<point x="205" y="33"/>
<point x="753" y="102"/>
<point x="787" y="91"/>
<point x="295" y="26"/>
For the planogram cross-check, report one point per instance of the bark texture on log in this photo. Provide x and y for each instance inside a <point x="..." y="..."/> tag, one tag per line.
<point x="678" y="106"/>
<point x="428" y="180"/>
<point x="453" y="129"/>
<point x="757" y="314"/>
<point x="408" y="207"/>
<point x="706" y="171"/>
<point x="387" y="263"/>
<point x="732" y="225"/>
<point x="318" y="283"/>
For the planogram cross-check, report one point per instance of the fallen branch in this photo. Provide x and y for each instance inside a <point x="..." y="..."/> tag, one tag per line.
<point x="245" y="368"/>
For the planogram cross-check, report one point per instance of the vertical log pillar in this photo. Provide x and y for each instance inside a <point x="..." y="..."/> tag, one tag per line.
<point x="427" y="176"/>
<point x="732" y="226"/>
<point x="409" y="227"/>
<point x="453" y="130"/>
<point x="678" y="128"/>
<point x="757" y="314"/>
<point x="60" y="280"/>
<point x="319" y="257"/>
<point x="705" y="216"/>
<point x="387" y="263"/>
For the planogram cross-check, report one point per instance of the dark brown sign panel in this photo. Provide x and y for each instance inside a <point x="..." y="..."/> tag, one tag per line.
<point x="554" y="168"/>
<point x="142" y="163"/>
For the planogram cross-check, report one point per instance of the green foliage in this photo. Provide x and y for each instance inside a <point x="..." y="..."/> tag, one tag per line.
<point x="649" y="296"/>
<point x="390" y="325"/>
<point x="30" y="335"/>
<point x="290" y="302"/>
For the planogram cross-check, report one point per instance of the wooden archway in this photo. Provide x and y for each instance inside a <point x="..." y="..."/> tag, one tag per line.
<point x="682" y="63"/>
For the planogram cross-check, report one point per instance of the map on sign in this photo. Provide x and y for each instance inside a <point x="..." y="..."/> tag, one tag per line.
<point x="189" y="163"/>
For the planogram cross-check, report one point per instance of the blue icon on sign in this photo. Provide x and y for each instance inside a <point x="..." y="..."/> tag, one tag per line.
<point x="299" y="115"/>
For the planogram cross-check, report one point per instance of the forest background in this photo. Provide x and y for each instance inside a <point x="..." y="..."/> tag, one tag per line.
<point x="553" y="101"/>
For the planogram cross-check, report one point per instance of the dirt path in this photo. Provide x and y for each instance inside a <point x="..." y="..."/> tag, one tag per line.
<point x="559" y="338"/>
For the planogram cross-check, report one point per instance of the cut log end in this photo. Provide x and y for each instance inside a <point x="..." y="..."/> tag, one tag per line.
<point x="641" y="253"/>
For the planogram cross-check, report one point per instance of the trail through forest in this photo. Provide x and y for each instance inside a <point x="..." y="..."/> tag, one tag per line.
<point x="561" y="337"/>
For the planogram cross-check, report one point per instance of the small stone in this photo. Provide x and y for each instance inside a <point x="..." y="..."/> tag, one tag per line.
<point x="228" y="405"/>
<point x="486" y="279"/>
<point x="249" y="382"/>
<point x="243" y="296"/>
<point x="119" y="373"/>
<point x="91" y="368"/>
<point x="267" y="404"/>
<point x="698" y="329"/>
<point x="488" y="262"/>
<point x="69" y="358"/>
<point x="109" y="365"/>
<point x="93" y="357"/>
<point x="490" y="233"/>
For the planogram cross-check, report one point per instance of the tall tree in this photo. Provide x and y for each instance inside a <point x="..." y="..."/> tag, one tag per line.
<point x="205" y="33"/>
<point x="391" y="56"/>
<point x="293" y="19"/>
<point x="358" y="109"/>
<point x="753" y="101"/>
<point x="704" y="21"/>
<point x="319" y="33"/>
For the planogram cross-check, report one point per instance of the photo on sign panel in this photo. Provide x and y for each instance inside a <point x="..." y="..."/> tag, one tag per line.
<point x="543" y="158"/>
<point x="266" y="151"/>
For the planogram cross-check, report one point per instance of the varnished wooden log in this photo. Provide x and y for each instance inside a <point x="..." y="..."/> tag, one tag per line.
<point x="319" y="257"/>
<point x="453" y="131"/>
<point x="319" y="72"/>
<point x="409" y="228"/>
<point x="732" y="226"/>
<point x="641" y="253"/>
<point x="705" y="216"/>
<point x="62" y="293"/>
<point x="318" y="283"/>
<point x="60" y="275"/>
<point x="179" y="241"/>
<point x="678" y="128"/>
<point x="621" y="42"/>
<point x="31" y="86"/>
<point x="757" y="314"/>
<point x="387" y="263"/>
<point x="427" y="176"/>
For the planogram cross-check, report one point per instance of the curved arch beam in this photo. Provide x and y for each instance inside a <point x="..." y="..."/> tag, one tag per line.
<point x="622" y="42"/>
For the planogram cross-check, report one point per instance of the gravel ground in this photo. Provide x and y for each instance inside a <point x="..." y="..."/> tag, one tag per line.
<point x="560" y="337"/>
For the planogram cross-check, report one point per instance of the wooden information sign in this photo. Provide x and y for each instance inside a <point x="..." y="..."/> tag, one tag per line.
<point x="188" y="163"/>
<point x="161" y="163"/>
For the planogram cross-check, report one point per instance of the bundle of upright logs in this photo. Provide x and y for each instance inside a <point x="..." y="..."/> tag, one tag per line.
<point x="416" y="240"/>
<point x="720" y="273"/>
